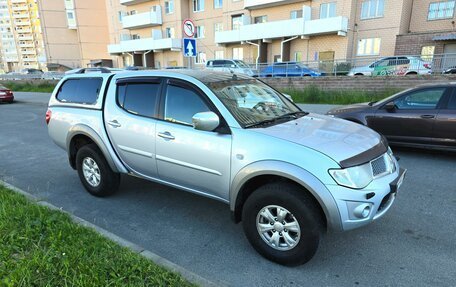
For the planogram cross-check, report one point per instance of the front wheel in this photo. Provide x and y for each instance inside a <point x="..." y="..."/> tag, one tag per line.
<point x="95" y="173"/>
<point x="282" y="223"/>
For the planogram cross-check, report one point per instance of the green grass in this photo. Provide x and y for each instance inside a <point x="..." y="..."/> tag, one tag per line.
<point x="43" y="247"/>
<point x="29" y="86"/>
<point x="314" y="95"/>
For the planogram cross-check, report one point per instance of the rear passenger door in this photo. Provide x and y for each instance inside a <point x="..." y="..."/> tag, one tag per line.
<point x="130" y="121"/>
<point x="445" y="123"/>
<point x="194" y="159"/>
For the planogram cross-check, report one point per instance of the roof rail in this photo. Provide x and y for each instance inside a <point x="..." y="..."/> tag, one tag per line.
<point x="101" y="69"/>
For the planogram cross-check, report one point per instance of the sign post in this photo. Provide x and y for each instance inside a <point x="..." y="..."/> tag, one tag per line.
<point x="189" y="43"/>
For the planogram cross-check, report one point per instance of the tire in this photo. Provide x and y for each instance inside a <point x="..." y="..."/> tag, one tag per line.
<point x="108" y="181"/>
<point x="300" y="208"/>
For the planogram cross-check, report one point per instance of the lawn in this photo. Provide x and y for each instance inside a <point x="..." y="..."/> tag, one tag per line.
<point x="43" y="247"/>
<point x="29" y="86"/>
<point x="314" y="95"/>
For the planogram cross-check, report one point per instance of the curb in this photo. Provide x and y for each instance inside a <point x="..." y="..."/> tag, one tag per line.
<point x="157" y="259"/>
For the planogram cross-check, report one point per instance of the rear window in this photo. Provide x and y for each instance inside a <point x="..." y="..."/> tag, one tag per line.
<point x="138" y="98"/>
<point x="80" y="91"/>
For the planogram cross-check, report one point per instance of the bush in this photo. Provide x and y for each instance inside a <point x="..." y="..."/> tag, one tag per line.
<point x="30" y="86"/>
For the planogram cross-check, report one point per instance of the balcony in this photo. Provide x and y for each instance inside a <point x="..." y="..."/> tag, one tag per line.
<point x="30" y="59"/>
<point x="132" y="2"/>
<point x="19" y="8"/>
<point x="257" y="4"/>
<point x="26" y="45"/>
<point x="19" y="1"/>
<point x="20" y="15"/>
<point x="22" y="23"/>
<point x="25" y="38"/>
<point x="284" y="28"/>
<point x="146" y="44"/>
<point x="24" y="31"/>
<point x="142" y="20"/>
<point x="28" y="52"/>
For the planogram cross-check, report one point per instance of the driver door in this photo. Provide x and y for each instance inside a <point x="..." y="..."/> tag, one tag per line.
<point x="413" y="116"/>
<point x="195" y="159"/>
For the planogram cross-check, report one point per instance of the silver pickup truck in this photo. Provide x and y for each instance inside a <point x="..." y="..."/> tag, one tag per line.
<point x="286" y="174"/>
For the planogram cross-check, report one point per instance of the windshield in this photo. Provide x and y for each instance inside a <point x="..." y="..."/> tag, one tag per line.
<point x="241" y="64"/>
<point x="252" y="102"/>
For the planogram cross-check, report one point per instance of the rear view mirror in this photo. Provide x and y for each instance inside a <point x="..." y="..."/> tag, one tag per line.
<point x="390" y="107"/>
<point x="205" y="121"/>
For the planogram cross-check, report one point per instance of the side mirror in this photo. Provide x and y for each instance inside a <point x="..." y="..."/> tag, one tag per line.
<point x="390" y="107"/>
<point x="205" y="121"/>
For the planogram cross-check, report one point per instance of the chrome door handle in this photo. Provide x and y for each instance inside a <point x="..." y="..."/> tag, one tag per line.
<point x="114" y="124"/>
<point x="166" y="135"/>
<point x="427" y="116"/>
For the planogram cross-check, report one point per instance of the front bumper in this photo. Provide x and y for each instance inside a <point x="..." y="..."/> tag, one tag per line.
<point x="360" y="207"/>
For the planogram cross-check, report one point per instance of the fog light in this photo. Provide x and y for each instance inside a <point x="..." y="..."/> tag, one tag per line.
<point x="362" y="211"/>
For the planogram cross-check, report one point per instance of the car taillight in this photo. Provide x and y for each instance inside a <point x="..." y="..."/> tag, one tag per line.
<point x="48" y="116"/>
<point x="427" y="66"/>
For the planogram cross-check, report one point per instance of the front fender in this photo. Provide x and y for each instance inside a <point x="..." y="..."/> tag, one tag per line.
<point x="296" y="174"/>
<point x="107" y="151"/>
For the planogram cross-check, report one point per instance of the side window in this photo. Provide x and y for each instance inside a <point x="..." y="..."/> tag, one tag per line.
<point x="181" y="104"/>
<point x="452" y="103"/>
<point x="138" y="98"/>
<point x="420" y="100"/>
<point x="80" y="91"/>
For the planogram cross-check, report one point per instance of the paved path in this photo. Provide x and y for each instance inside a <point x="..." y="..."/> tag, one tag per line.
<point x="413" y="245"/>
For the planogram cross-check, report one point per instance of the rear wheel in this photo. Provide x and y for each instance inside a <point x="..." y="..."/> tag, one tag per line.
<point x="282" y="223"/>
<point x="95" y="173"/>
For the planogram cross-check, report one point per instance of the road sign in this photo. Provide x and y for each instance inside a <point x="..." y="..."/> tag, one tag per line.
<point x="190" y="47"/>
<point x="189" y="28"/>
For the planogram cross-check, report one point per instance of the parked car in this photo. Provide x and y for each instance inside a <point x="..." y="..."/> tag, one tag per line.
<point x="6" y="95"/>
<point x="93" y="70"/>
<point x="32" y="71"/>
<point x="421" y="117"/>
<point x="393" y="66"/>
<point x="52" y="75"/>
<point x="235" y="66"/>
<point x="288" y="69"/>
<point x="286" y="174"/>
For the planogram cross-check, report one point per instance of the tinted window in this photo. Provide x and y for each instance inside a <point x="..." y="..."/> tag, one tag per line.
<point x="182" y="104"/>
<point x="420" y="100"/>
<point x="81" y="91"/>
<point x="139" y="98"/>
<point x="452" y="103"/>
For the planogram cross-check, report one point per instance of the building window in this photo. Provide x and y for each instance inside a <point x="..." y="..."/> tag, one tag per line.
<point x="218" y="27"/>
<point x="260" y="19"/>
<point x="218" y="4"/>
<point x="372" y="9"/>
<point x="328" y="10"/>
<point x="201" y="58"/>
<point x="169" y="6"/>
<point x="198" y="5"/>
<point x="169" y="31"/>
<point x="135" y="37"/>
<point x="121" y="14"/>
<point x="219" y="55"/>
<point x="441" y="10"/>
<point x="200" y="33"/>
<point x="238" y="53"/>
<point x="70" y="15"/>
<point x="236" y="22"/>
<point x="298" y="56"/>
<point x="427" y="53"/>
<point x="296" y="14"/>
<point x="369" y="47"/>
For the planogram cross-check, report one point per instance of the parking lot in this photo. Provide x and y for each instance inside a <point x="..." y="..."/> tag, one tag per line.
<point x="413" y="245"/>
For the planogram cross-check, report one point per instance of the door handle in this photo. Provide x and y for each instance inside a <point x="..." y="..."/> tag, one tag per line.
<point x="427" y="116"/>
<point x="114" y="124"/>
<point x="166" y="135"/>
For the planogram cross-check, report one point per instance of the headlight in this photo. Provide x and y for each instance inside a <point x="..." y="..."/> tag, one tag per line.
<point x="353" y="177"/>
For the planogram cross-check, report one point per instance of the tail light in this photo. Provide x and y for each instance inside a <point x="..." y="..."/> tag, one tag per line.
<point x="427" y="66"/>
<point x="48" y="116"/>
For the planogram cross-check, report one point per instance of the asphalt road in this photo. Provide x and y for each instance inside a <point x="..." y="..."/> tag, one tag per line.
<point x="413" y="245"/>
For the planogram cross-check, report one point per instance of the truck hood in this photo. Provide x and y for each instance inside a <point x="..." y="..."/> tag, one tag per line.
<point x="339" y="139"/>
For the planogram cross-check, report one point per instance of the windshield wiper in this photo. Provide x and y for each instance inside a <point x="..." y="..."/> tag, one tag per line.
<point x="287" y="116"/>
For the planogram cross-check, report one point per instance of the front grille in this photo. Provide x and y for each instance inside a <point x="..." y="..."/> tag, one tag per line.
<point x="379" y="166"/>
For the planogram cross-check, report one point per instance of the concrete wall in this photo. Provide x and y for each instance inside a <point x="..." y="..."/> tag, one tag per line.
<point x="370" y="84"/>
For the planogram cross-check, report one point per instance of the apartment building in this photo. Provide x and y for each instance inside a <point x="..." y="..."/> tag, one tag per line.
<point x="75" y="33"/>
<point x="21" y="38"/>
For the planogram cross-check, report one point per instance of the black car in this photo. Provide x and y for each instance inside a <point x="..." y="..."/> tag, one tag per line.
<point x="424" y="116"/>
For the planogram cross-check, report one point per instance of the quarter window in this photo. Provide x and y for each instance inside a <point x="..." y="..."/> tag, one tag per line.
<point x="138" y="98"/>
<point x="372" y="9"/>
<point x="441" y="10"/>
<point x="182" y="104"/>
<point x="80" y="91"/>
<point x="420" y="100"/>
